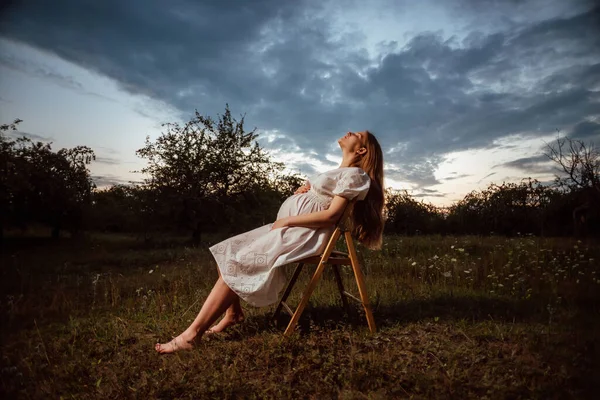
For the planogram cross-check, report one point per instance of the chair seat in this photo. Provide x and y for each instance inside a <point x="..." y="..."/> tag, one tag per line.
<point x="336" y="257"/>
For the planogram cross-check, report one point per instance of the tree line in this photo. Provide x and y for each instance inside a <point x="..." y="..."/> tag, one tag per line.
<point x="211" y="175"/>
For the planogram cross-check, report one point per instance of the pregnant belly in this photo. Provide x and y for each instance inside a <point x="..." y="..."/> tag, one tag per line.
<point x="298" y="204"/>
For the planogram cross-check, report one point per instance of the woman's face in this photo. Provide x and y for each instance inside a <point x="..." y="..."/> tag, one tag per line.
<point x="353" y="141"/>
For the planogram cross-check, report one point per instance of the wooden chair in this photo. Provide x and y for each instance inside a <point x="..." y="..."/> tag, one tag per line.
<point x="333" y="258"/>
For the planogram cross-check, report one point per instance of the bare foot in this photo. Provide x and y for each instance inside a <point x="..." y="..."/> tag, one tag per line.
<point x="227" y="321"/>
<point x="177" y="344"/>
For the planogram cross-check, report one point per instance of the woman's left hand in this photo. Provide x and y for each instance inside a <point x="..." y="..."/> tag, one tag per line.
<point x="280" y="223"/>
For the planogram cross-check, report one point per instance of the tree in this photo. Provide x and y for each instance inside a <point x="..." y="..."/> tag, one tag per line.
<point x="204" y="172"/>
<point x="580" y="165"/>
<point x="39" y="185"/>
<point x="508" y="209"/>
<point x="407" y="216"/>
<point x="8" y="175"/>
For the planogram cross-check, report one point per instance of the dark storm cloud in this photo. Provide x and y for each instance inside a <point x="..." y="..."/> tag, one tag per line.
<point x="32" y="136"/>
<point x="421" y="172"/>
<point x="154" y="48"/>
<point x="487" y="176"/>
<point x="108" y="160"/>
<point x="539" y="164"/>
<point x="459" y="176"/>
<point x="586" y="131"/>
<point x="108" y="180"/>
<point x="307" y="170"/>
<point x="47" y="73"/>
<point x="278" y="62"/>
<point x="108" y="150"/>
<point x="15" y="64"/>
<point x="424" y="192"/>
<point x="281" y="143"/>
<point x="419" y="195"/>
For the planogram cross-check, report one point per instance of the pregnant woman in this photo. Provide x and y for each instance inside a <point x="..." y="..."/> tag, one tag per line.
<point x="248" y="263"/>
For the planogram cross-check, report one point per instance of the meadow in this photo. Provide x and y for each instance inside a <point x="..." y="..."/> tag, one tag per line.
<point x="457" y="317"/>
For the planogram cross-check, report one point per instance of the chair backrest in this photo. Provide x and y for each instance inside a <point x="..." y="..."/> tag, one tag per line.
<point x="344" y="223"/>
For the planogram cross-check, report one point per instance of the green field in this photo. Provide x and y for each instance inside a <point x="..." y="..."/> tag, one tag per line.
<point x="458" y="317"/>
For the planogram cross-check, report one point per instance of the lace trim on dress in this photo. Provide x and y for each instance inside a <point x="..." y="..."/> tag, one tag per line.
<point x="323" y="200"/>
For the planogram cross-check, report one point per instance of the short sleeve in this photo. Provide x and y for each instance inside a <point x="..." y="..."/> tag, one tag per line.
<point x="352" y="183"/>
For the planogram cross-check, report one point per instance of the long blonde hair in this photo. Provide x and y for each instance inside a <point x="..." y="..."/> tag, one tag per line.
<point x="367" y="216"/>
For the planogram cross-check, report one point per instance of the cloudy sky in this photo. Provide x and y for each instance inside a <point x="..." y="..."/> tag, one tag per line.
<point x="460" y="93"/>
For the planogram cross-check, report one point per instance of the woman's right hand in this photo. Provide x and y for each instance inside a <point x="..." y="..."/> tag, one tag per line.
<point x="303" y="189"/>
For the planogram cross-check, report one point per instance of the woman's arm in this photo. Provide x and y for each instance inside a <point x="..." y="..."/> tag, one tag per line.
<point x="319" y="219"/>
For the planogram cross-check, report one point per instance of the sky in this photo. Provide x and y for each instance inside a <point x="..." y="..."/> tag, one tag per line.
<point x="460" y="93"/>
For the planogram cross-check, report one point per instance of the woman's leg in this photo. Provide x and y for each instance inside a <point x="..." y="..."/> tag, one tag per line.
<point x="219" y="299"/>
<point x="233" y="315"/>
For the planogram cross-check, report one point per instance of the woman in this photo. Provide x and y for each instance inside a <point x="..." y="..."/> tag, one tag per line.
<point x="248" y="263"/>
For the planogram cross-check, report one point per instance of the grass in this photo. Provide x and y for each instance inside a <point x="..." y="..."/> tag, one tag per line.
<point x="457" y="317"/>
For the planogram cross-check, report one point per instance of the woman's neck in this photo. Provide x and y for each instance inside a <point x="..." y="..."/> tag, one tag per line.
<point x="347" y="160"/>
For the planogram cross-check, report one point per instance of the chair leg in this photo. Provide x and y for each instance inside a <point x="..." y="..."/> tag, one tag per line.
<point x="360" y="281"/>
<point x="313" y="283"/>
<point x="288" y="289"/>
<point x="340" y="286"/>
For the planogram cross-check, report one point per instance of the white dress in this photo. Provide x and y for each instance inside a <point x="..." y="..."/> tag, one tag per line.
<point x="249" y="262"/>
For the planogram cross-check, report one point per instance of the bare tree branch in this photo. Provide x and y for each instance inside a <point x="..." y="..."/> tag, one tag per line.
<point x="579" y="162"/>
